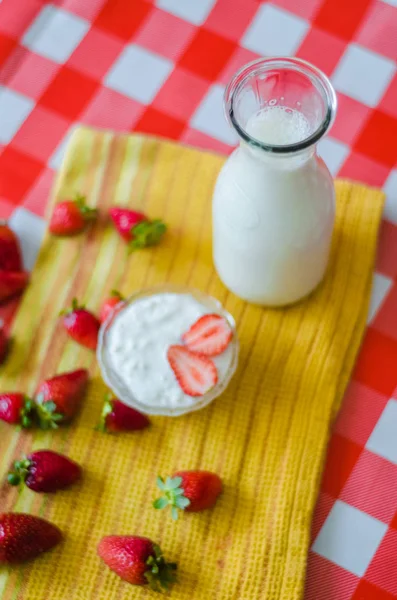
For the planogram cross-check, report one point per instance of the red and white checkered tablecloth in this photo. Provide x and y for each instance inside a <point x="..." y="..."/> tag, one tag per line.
<point x="160" y="66"/>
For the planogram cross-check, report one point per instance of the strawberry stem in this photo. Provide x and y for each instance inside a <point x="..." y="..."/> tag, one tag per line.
<point x="47" y="416"/>
<point x="75" y="306"/>
<point x="19" y="473"/>
<point x="173" y="495"/>
<point x="147" y="233"/>
<point x="106" y="410"/>
<point x="160" y="575"/>
<point x="28" y="412"/>
<point x="89" y="214"/>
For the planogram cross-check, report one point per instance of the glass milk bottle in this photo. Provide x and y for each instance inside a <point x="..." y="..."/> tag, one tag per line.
<point x="274" y="200"/>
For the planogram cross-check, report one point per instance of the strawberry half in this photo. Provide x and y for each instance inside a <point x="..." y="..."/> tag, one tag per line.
<point x="45" y="471"/>
<point x="3" y="346"/>
<point x="81" y="325"/>
<point x="196" y="374"/>
<point x="17" y="409"/>
<point x="23" y="537"/>
<point x="109" y="305"/>
<point x="58" y="399"/>
<point x="188" y="490"/>
<point x="117" y="416"/>
<point x="12" y="283"/>
<point x="10" y="253"/>
<point x="70" y="217"/>
<point x="137" y="560"/>
<point x="136" y="229"/>
<point x="210" y="335"/>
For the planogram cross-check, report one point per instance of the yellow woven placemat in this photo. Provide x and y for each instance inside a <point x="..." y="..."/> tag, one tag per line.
<point x="266" y="436"/>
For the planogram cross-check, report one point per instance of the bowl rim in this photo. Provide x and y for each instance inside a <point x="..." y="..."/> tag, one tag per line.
<point x="123" y="393"/>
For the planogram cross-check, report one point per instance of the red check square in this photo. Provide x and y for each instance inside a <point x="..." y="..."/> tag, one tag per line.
<point x="378" y="30"/>
<point x="368" y="591"/>
<point x="123" y="17"/>
<point x="378" y="138"/>
<point x="111" y="110"/>
<point x="372" y="487"/>
<point x="193" y="137"/>
<point x="170" y="46"/>
<point x="230" y="18"/>
<point x="7" y="45"/>
<point x="304" y="8"/>
<point x="321" y="512"/>
<point x="34" y="74"/>
<point x="387" y="250"/>
<point x="156" y="122"/>
<point x="350" y="119"/>
<point x="181" y="94"/>
<point x="18" y="172"/>
<point x="340" y="17"/>
<point x="96" y="53"/>
<point x="40" y="133"/>
<point x="322" y="48"/>
<point x="240" y="57"/>
<point x="87" y="10"/>
<point x="41" y="188"/>
<point x="327" y="581"/>
<point x="207" y="54"/>
<point x="388" y="104"/>
<point x="356" y="164"/>
<point x="382" y="570"/>
<point x="16" y="16"/>
<point x="376" y="364"/>
<point x="342" y="457"/>
<point x="69" y="93"/>
<point x="386" y="319"/>
<point x="361" y="409"/>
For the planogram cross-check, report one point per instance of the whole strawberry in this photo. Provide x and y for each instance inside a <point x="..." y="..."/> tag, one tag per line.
<point x="136" y="229"/>
<point x="70" y="217"/>
<point x="12" y="283"/>
<point x="58" y="399"/>
<point x="81" y="325"/>
<point x="137" y="560"/>
<point x="3" y="346"/>
<point x="45" y="471"/>
<point x="116" y="416"/>
<point x="10" y="253"/>
<point x="17" y="409"/>
<point x="109" y="305"/>
<point x="192" y="491"/>
<point x="23" y="537"/>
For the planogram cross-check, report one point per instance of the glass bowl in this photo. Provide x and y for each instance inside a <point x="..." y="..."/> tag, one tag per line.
<point x="121" y="389"/>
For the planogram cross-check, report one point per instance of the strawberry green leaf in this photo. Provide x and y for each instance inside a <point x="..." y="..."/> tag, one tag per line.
<point x="160" y="483"/>
<point x="174" y="513"/>
<point x="160" y="503"/>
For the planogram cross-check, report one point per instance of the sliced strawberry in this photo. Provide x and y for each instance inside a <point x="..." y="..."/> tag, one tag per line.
<point x="210" y="335"/>
<point x="196" y="374"/>
<point x="12" y="283"/>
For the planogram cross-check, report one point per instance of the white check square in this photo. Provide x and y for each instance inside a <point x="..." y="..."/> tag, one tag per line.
<point x="30" y="230"/>
<point x="363" y="75"/>
<point x="194" y="11"/>
<point x="274" y="32"/>
<point x="334" y="153"/>
<point x="383" y="439"/>
<point x="209" y="117"/>
<point x="390" y="189"/>
<point x="380" y="288"/>
<point x="55" y="33"/>
<point x="14" y="109"/>
<point x="138" y="73"/>
<point x="349" y="538"/>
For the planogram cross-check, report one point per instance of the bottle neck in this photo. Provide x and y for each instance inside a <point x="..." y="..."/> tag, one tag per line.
<point x="289" y="160"/>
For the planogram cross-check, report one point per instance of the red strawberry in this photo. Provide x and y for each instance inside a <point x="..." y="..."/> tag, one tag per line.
<point x="109" y="305"/>
<point x="116" y="416"/>
<point x="45" y="471"/>
<point x="137" y="560"/>
<point x="210" y="335"/>
<point x="23" y="537"/>
<point x="81" y="325"/>
<point x="3" y="346"/>
<point x="16" y="409"/>
<point x="189" y="490"/>
<point x="10" y="253"/>
<point x="58" y="399"/>
<point x="135" y="228"/>
<point x="12" y="283"/>
<point x="196" y="374"/>
<point x="71" y="216"/>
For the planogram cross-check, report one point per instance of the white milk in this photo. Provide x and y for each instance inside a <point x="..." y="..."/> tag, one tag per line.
<point x="273" y="215"/>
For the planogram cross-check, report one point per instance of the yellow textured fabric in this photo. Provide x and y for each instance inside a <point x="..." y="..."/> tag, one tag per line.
<point x="266" y="436"/>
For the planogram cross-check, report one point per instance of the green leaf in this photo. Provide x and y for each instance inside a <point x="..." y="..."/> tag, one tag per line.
<point x="160" y="483"/>
<point x="174" y="513"/>
<point x="160" y="503"/>
<point x="173" y="483"/>
<point x="182" y="502"/>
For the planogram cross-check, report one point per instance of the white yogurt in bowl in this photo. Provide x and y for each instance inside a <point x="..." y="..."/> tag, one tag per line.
<point x="133" y="345"/>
